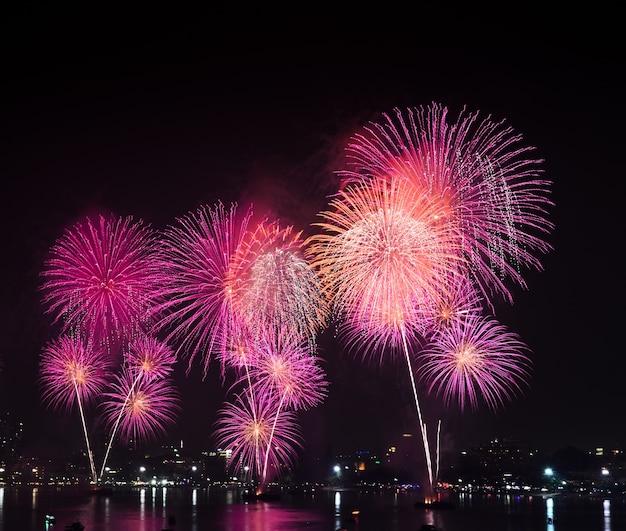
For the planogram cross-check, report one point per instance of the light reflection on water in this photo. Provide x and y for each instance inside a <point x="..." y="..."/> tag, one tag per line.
<point x="186" y="509"/>
<point x="550" y="514"/>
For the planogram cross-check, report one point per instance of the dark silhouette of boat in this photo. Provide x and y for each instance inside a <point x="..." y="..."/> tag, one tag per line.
<point x="75" y="526"/>
<point x="261" y="496"/>
<point x="101" y="491"/>
<point x="435" y="505"/>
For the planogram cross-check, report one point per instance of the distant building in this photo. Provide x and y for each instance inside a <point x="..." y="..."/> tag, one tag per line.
<point x="11" y="434"/>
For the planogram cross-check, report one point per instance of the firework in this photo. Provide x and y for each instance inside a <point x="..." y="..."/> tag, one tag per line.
<point x="196" y="306"/>
<point x="452" y="305"/>
<point x="101" y="280"/>
<point x="72" y="374"/>
<point x="284" y="367"/>
<point x="150" y="358"/>
<point x="276" y="289"/>
<point x="383" y="259"/>
<point x="259" y="436"/>
<point x="475" y="359"/>
<point x="478" y="172"/>
<point x="148" y="406"/>
<point x="147" y="359"/>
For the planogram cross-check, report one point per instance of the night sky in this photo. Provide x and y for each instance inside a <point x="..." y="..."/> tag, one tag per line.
<point x="154" y="114"/>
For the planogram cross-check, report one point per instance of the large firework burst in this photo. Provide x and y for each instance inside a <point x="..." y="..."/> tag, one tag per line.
<point x="383" y="260"/>
<point x="196" y="307"/>
<point x="478" y="173"/>
<point x="101" y="279"/>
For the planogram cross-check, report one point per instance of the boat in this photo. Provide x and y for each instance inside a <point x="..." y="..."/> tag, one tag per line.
<point x="101" y="491"/>
<point x="261" y="496"/>
<point x="75" y="526"/>
<point x="435" y="505"/>
<point x="429" y="527"/>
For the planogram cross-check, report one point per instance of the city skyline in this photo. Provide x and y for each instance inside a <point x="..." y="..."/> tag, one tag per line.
<point x="153" y="128"/>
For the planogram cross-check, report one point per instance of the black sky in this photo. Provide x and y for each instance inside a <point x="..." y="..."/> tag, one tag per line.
<point x="151" y="114"/>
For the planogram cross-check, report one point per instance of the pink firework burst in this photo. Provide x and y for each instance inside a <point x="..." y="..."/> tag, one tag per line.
<point x="147" y="407"/>
<point x="147" y="359"/>
<point x="383" y="258"/>
<point x="454" y="304"/>
<point x="71" y="373"/>
<point x="101" y="279"/>
<point x="150" y="358"/>
<point x="276" y="288"/>
<point x="260" y="437"/>
<point x="197" y="303"/>
<point x="475" y="359"/>
<point x="284" y="367"/>
<point x="478" y="172"/>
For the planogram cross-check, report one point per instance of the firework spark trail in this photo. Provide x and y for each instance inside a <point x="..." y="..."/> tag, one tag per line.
<point x="70" y="372"/>
<point x="196" y="304"/>
<point x="478" y="172"/>
<point x="475" y="358"/>
<point x="101" y="280"/>
<point x="147" y="358"/>
<point x="429" y="466"/>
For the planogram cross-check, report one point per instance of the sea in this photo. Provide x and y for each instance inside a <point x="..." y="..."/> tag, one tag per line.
<point x="313" y="509"/>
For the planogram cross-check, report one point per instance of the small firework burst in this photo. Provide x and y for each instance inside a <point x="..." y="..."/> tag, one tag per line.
<point x="143" y="408"/>
<point x="476" y="359"/>
<point x="262" y="438"/>
<point x="72" y="373"/>
<point x="150" y="358"/>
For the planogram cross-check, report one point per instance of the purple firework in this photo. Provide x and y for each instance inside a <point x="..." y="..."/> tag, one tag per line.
<point x="148" y="406"/>
<point x="101" y="279"/>
<point x="475" y="359"/>
<point x="478" y="173"/>
<point x="147" y="359"/>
